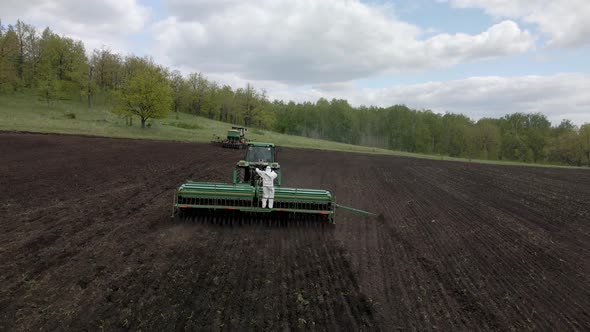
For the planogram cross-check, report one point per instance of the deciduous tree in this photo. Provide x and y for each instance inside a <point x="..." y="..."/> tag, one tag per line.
<point x="145" y="94"/>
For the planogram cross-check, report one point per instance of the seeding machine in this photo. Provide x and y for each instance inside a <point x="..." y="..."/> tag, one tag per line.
<point x="235" y="138"/>
<point x="240" y="201"/>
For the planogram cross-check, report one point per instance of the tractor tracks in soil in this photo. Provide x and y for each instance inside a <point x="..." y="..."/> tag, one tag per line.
<point x="86" y="242"/>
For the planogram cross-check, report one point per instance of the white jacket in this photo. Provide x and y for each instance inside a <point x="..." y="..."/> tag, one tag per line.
<point x="267" y="177"/>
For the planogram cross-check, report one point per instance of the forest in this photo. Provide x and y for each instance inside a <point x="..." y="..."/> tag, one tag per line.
<point x="54" y="68"/>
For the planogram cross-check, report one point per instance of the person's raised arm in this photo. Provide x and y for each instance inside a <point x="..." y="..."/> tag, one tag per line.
<point x="259" y="171"/>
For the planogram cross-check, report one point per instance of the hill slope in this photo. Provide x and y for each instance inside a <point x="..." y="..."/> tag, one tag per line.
<point x="27" y="113"/>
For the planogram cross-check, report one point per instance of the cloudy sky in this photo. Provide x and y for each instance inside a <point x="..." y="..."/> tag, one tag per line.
<point x="482" y="58"/>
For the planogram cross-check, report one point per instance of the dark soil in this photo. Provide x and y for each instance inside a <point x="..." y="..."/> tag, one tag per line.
<point x="87" y="243"/>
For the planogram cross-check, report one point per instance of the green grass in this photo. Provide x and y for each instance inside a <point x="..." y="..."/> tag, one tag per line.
<point x="27" y="113"/>
<point x="185" y="125"/>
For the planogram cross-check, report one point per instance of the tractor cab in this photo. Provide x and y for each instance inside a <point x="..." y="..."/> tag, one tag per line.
<point x="260" y="153"/>
<point x="237" y="134"/>
<point x="233" y="134"/>
<point x="241" y="130"/>
<point x="236" y="138"/>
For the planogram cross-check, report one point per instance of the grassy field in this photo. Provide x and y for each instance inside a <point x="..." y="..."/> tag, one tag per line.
<point x="27" y="113"/>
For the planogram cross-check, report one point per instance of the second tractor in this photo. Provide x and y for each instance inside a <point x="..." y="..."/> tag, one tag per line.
<point x="235" y="138"/>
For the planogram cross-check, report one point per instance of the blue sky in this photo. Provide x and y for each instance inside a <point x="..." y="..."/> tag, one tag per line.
<point x="441" y="17"/>
<point x="476" y="57"/>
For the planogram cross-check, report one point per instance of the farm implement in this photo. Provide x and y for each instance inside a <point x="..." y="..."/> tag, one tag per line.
<point x="240" y="201"/>
<point x="235" y="138"/>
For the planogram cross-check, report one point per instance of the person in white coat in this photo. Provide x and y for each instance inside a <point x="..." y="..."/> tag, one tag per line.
<point x="268" y="191"/>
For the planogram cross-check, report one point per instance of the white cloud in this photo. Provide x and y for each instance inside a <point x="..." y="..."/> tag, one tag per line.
<point x="311" y="41"/>
<point x="191" y="9"/>
<point x="96" y="23"/>
<point x="557" y="96"/>
<point x="564" y="21"/>
<point x="334" y="87"/>
<point x="307" y="49"/>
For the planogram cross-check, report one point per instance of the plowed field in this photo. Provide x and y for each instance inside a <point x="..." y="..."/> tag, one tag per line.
<point x="86" y="243"/>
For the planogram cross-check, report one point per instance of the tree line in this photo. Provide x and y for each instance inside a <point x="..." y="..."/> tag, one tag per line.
<point x="55" y="68"/>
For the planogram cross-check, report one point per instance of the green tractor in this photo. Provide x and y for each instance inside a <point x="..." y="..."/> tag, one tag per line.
<point x="240" y="201"/>
<point x="235" y="138"/>
<point x="258" y="155"/>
